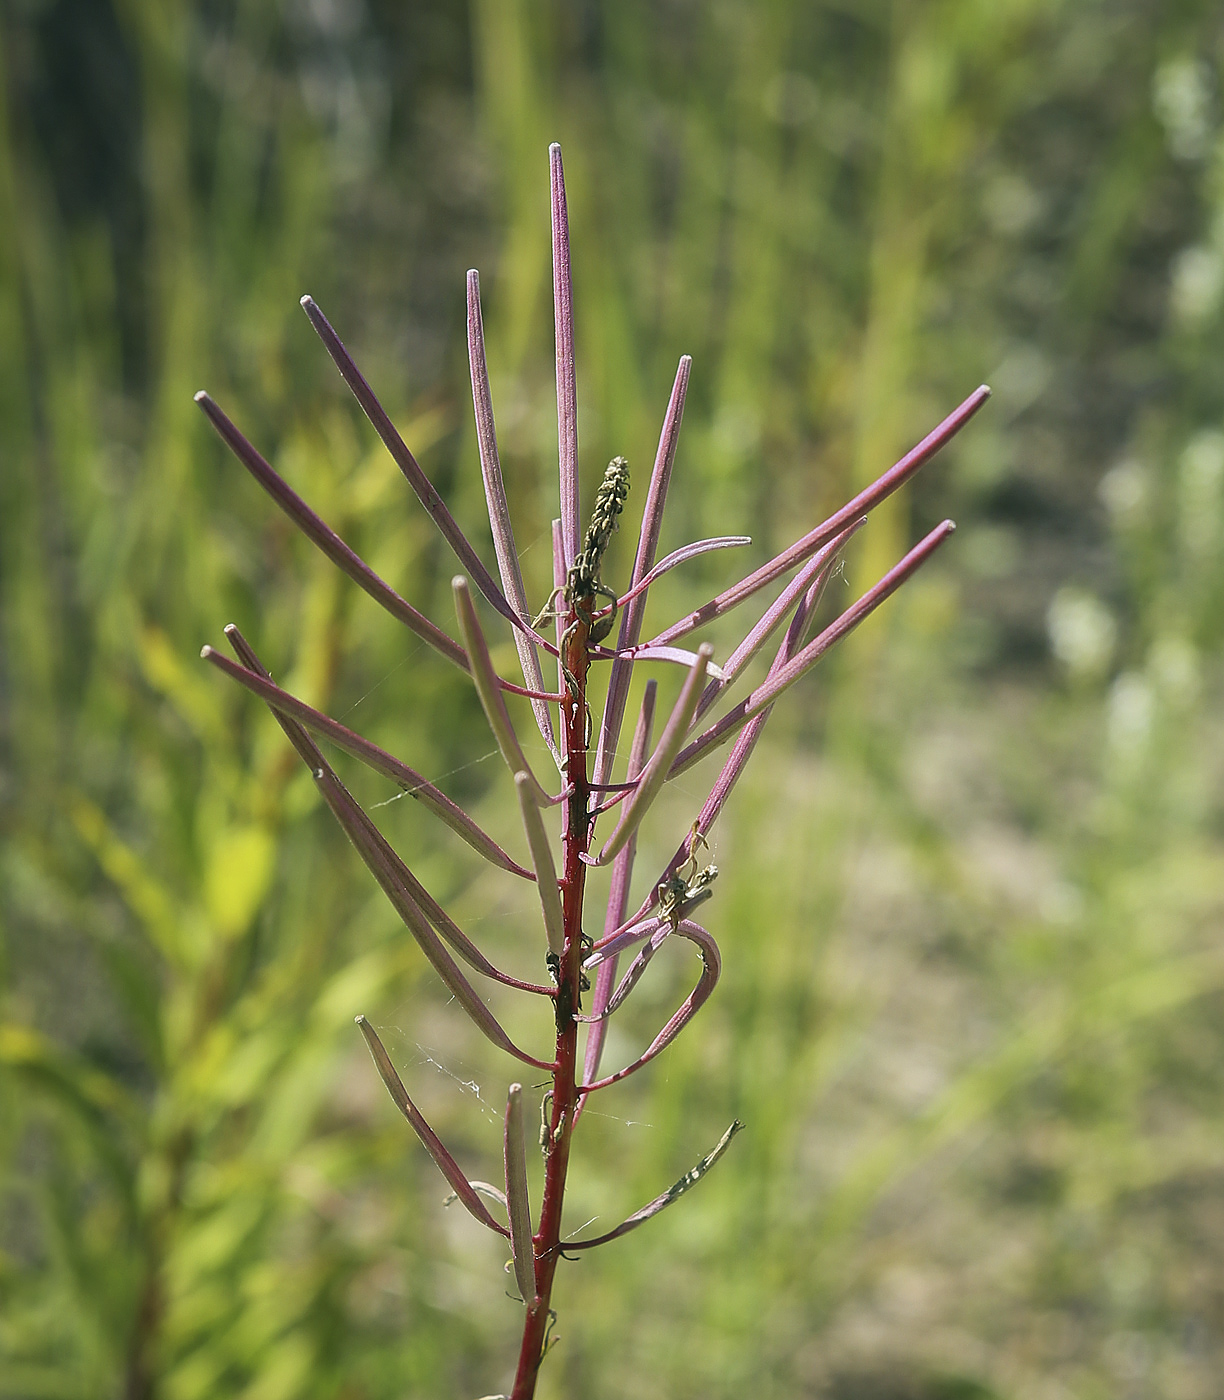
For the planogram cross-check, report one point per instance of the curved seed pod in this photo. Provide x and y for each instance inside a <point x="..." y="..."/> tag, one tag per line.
<point x="326" y="538"/>
<point x="711" y="970"/>
<point x="679" y="655"/>
<point x="545" y="868"/>
<point x="514" y="1146"/>
<point x="464" y="1189"/>
<point x="281" y="702"/>
<point x="490" y="692"/>
<point x="673" y="1193"/>
<point x="482" y="1188"/>
<point x="654" y="775"/>
<point x="682" y="556"/>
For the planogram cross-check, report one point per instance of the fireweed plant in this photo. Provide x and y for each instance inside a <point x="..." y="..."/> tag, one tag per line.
<point x="582" y="609"/>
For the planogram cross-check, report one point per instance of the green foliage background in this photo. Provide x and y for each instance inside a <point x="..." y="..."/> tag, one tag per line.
<point x="970" y="902"/>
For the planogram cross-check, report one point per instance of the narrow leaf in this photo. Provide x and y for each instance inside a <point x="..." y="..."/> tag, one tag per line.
<point x="258" y="683"/>
<point x="673" y="1193"/>
<point x="462" y="1187"/>
<point x="545" y="868"/>
<point x="654" y="775"/>
<point x="499" y="509"/>
<point x="514" y="1148"/>
<point x="489" y="691"/>
<point x="326" y="538"/>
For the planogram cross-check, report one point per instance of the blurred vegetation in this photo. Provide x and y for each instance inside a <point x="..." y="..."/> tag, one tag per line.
<point x="971" y="899"/>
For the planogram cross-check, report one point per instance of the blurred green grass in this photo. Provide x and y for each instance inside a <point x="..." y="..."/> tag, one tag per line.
<point x="970" y="900"/>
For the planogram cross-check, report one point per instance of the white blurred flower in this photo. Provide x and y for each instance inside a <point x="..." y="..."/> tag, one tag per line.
<point x="1131" y="712"/>
<point x="1124" y="490"/>
<point x="1196" y="281"/>
<point x="1182" y="101"/>
<point x="1082" y="632"/>
<point x="1200" y="477"/>
<point x="1173" y="664"/>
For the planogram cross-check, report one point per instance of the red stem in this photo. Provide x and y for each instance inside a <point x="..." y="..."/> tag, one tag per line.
<point x="565" y="1089"/>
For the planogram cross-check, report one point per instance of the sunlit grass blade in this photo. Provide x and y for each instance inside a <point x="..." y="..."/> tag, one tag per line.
<point x="259" y="683"/>
<point x="500" y="524"/>
<point x="863" y="504"/>
<point x="567" y="394"/>
<point x="325" y="537"/>
<point x="545" y="867"/>
<point x="387" y="868"/>
<point x="711" y="970"/>
<point x="654" y="775"/>
<point x="648" y="544"/>
<point x="489" y="691"/>
<point x="775" y="683"/>
<point x="514" y="1148"/>
<point x="673" y="1193"/>
<point x="618" y="896"/>
<point x="464" y="1190"/>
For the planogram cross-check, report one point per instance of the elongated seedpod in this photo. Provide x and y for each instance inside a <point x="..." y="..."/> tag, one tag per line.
<point x="312" y="755"/>
<point x="567" y="393"/>
<point x="386" y="866"/>
<point x="792" y="596"/>
<point x="281" y="702"/>
<point x="774" y="684"/>
<point x="618" y="897"/>
<point x="326" y="538"/>
<point x="654" y="775"/>
<point x="499" y="508"/>
<point x="518" y="1206"/>
<point x="489" y="691"/>
<point x="425" y="490"/>
<point x="545" y="867"/>
<point x="863" y="504"/>
<point x="648" y="544"/>
<point x="464" y="1190"/>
